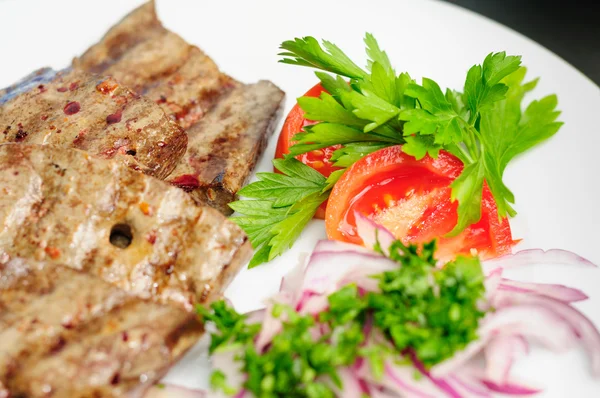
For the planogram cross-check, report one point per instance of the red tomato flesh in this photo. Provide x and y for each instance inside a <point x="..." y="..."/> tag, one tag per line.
<point x="318" y="159"/>
<point x="412" y="199"/>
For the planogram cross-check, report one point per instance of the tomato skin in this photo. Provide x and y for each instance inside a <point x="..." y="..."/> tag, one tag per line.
<point x="294" y="123"/>
<point x="318" y="159"/>
<point x="412" y="199"/>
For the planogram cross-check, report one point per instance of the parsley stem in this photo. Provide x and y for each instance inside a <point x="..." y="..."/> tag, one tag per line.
<point x="464" y="151"/>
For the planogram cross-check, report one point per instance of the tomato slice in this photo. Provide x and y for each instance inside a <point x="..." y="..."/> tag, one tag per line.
<point x="318" y="159"/>
<point x="411" y="198"/>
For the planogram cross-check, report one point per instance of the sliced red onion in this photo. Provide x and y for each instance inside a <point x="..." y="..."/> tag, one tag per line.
<point x="382" y="393"/>
<point x="536" y="256"/>
<point x="500" y="354"/>
<point x="372" y="233"/>
<point x="510" y="388"/>
<point x="401" y="379"/>
<point x="468" y="386"/>
<point x="173" y="391"/>
<point x="459" y="358"/>
<point x="292" y="282"/>
<point x="271" y="326"/>
<point x="241" y="394"/>
<point x="224" y="359"/>
<point x="326" y="269"/>
<point x="528" y="320"/>
<point x="442" y="384"/>
<point x="578" y="322"/>
<point x="558" y="292"/>
<point x="351" y="385"/>
<point x="491" y="282"/>
<point x="538" y="311"/>
<point x="313" y="305"/>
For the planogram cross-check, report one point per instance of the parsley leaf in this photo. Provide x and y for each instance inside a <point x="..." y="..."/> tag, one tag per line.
<point x="507" y="132"/>
<point x="435" y="116"/>
<point x="323" y="135"/>
<point x="484" y="127"/>
<point x="286" y="231"/>
<point x="285" y="204"/>
<point x="483" y="87"/>
<point x="467" y="189"/>
<point x="297" y="183"/>
<point x="327" y="109"/>
<point x="352" y="152"/>
<point x="308" y="52"/>
<point x="377" y="55"/>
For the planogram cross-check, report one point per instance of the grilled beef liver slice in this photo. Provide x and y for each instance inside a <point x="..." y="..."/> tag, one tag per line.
<point x="65" y="333"/>
<point x="75" y="109"/>
<point x="228" y="122"/>
<point x="158" y="64"/>
<point x="133" y="231"/>
<point x="224" y="146"/>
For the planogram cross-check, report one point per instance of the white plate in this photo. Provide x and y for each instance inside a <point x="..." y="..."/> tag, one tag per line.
<point x="556" y="185"/>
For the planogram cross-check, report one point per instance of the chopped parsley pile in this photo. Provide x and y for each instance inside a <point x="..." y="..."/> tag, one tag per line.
<point x="424" y="311"/>
<point x="365" y="110"/>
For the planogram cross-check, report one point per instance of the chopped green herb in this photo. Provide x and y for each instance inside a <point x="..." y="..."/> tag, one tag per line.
<point x="429" y="311"/>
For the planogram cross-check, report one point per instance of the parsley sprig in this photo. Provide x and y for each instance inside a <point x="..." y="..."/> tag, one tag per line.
<point x="423" y="310"/>
<point x="284" y="204"/>
<point x="365" y="110"/>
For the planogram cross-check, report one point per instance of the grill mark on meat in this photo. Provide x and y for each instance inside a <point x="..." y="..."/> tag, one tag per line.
<point x="225" y="145"/>
<point x="115" y="343"/>
<point x="177" y="253"/>
<point x="87" y="116"/>
<point x="188" y="85"/>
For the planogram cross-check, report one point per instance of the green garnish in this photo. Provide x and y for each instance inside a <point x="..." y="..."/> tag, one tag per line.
<point x="484" y="126"/>
<point x="423" y="310"/>
<point x="284" y="204"/>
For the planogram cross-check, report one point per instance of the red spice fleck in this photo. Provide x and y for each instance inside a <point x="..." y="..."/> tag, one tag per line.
<point x="78" y="141"/>
<point x="58" y="131"/>
<point x="59" y="345"/>
<point x="125" y="336"/>
<point x="72" y="108"/>
<point x="187" y="182"/>
<point x="138" y="130"/>
<point x="68" y="324"/>
<point x="42" y="88"/>
<point x="114" y="118"/>
<point x="107" y="86"/>
<point x="151" y="237"/>
<point x="44" y="117"/>
<point x="115" y="380"/>
<point x="161" y="100"/>
<point x="73" y="86"/>
<point x="53" y="252"/>
<point x="52" y="127"/>
<point x="62" y="89"/>
<point x="21" y="135"/>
